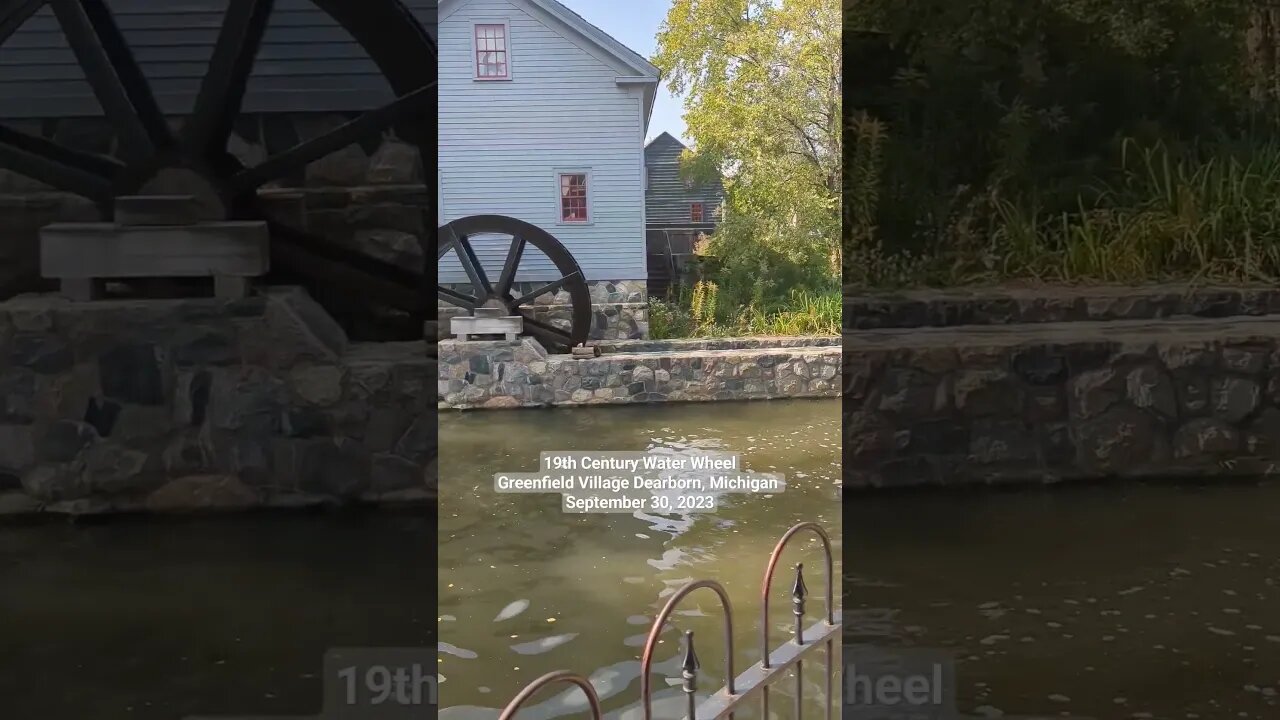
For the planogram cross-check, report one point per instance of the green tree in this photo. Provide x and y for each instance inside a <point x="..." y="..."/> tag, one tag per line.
<point x="762" y="80"/>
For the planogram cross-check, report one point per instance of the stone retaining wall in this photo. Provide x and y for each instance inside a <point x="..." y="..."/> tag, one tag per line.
<point x="202" y="404"/>
<point x="500" y="374"/>
<point x="620" y="310"/>
<point x="1180" y="397"/>
<point x="619" y="321"/>
<point x="738" y="343"/>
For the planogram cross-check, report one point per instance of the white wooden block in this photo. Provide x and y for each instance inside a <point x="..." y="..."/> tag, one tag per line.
<point x="509" y="327"/>
<point x="104" y="250"/>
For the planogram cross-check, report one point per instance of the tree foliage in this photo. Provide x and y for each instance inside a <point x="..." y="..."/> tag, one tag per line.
<point x="762" y="80"/>
<point x="965" y="109"/>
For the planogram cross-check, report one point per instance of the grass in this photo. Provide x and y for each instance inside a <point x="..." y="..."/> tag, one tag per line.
<point x="698" y="313"/>
<point x="1206" y="215"/>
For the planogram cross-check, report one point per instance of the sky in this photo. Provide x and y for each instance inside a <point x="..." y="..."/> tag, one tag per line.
<point x="635" y="23"/>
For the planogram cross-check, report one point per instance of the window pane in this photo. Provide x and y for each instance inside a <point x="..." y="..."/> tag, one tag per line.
<point x="573" y="197"/>
<point x="491" y="47"/>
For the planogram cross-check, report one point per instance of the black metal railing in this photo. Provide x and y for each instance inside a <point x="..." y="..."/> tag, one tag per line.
<point x="756" y="680"/>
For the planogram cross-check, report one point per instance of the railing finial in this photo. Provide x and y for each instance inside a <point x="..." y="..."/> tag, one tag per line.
<point x="798" y="594"/>
<point x="689" y="671"/>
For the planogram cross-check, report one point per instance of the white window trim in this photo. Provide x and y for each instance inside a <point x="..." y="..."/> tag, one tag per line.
<point x="557" y="173"/>
<point x="475" y="65"/>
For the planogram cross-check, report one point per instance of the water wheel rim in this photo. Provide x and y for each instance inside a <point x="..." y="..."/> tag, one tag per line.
<point x="455" y="236"/>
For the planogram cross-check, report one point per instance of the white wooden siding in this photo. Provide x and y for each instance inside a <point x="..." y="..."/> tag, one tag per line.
<point x="502" y="143"/>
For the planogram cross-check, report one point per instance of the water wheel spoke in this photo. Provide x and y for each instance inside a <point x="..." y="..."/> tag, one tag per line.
<point x="21" y="12"/>
<point x="222" y="90"/>
<point x="549" y="287"/>
<point x="508" y="276"/>
<point x="113" y="73"/>
<point x="450" y="239"/>
<point x="347" y="269"/>
<point x="74" y="171"/>
<point x="546" y="333"/>
<point x="370" y="124"/>
<point x="453" y="297"/>
<point x="471" y="265"/>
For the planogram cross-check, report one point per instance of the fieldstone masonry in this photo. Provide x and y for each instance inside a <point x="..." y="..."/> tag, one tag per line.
<point x="619" y="308"/>
<point x="501" y="374"/>
<point x="1161" y="394"/>
<point x="149" y="405"/>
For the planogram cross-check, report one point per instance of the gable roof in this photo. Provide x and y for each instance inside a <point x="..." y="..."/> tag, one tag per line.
<point x="669" y="138"/>
<point x="602" y="38"/>
<point x="599" y="38"/>
<point x="642" y="71"/>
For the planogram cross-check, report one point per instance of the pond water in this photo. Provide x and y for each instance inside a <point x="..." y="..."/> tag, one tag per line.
<point x="526" y="589"/>
<point x="1102" y="602"/>
<point x="151" y="619"/>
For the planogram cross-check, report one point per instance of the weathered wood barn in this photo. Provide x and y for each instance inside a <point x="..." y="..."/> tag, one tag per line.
<point x="678" y="210"/>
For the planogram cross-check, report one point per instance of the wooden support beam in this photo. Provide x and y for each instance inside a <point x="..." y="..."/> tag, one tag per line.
<point x="147" y="210"/>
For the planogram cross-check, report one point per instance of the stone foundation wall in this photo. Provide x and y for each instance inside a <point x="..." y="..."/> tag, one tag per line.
<point x="204" y="404"/>
<point x="500" y="374"/>
<point x="1177" y="397"/>
<point x="620" y="310"/>
<point x="371" y="198"/>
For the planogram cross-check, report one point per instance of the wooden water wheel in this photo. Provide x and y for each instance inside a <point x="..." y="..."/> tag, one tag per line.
<point x="147" y="146"/>
<point x="489" y="289"/>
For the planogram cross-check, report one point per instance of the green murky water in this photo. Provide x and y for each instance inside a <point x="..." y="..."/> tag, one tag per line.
<point x="1102" y="602"/>
<point x="150" y="619"/>
<point x="526" y="589"/>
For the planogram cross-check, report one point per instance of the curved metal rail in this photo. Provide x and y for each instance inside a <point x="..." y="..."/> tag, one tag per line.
<point x="773" y="664"/>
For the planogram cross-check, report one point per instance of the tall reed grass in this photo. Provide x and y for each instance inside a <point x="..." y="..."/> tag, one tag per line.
<point x="1203" y="214"/>
<point x="700" y="313"/>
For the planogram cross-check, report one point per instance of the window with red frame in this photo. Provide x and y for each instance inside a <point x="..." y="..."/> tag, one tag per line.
<point x="573" y="198"/>
<point x="695" y="212"/>
<point x="491" y="52"/>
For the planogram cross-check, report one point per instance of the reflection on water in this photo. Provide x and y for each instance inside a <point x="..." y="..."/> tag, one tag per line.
<point x="1142" y="602"/>
<point x="526" y="589"/>
<point x="151" y="619"/>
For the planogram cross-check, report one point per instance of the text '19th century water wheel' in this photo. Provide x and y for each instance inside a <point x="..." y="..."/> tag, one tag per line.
<point x="563" y="292"/>
<point x="148" y="146"/>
